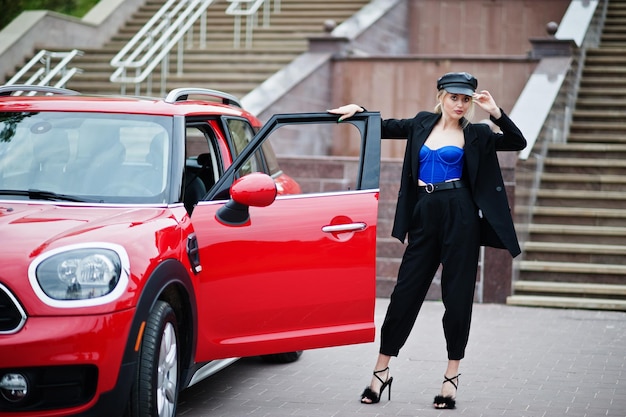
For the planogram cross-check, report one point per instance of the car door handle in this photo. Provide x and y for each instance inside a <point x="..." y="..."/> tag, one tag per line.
<point x="349" y="227"/>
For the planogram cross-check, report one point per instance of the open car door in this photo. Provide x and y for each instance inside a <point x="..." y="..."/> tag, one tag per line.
<point x="288" y="272"/>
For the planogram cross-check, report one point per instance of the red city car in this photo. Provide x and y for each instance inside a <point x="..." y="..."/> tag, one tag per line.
<point x="147" y="243"/>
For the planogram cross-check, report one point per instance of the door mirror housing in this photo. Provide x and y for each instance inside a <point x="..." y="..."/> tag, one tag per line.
<point x="256" y="189"/>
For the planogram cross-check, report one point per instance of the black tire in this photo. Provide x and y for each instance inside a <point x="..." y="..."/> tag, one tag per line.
<point x="154" y="394"/>
<point x="286" y="357"/>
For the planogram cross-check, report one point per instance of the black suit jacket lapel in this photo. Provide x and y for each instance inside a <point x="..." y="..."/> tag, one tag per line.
<point x="472" y="150"/>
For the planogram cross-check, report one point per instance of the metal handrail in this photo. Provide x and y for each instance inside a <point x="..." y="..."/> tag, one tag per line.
<point x="153" y="43"/>
<point x="151" y="46"/>
<point x="249" y="8"/>
<point x="44" y="75"/>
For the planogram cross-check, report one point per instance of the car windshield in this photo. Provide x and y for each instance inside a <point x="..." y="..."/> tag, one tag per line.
<point x="111" y="158"/>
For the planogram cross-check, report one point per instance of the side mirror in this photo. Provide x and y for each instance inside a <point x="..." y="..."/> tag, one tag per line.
<point x="256" y="190"/>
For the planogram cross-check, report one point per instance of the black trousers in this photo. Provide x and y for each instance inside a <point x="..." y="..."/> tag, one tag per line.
<point x="445" y="230"/>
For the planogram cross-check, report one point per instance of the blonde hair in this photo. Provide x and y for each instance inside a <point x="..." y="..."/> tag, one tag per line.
<point x="465" y="121"/>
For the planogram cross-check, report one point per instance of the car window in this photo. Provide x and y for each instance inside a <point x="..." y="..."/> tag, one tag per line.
<point x="302" y="169"/>
<point x="202" y="157"/>
<point x="299" y="173"/>
<point x="241" y="133"/>
<point x="146" y="153"/>
<point x="271" y="162"/>
<point x="108" y="157"/>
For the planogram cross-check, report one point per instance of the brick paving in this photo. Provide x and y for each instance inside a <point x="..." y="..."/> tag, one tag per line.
<point x="521" y="362"/>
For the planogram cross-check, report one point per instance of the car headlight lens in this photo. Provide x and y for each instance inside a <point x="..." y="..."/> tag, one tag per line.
<point x="79" y="274"/>
<point x="67" y="275"/>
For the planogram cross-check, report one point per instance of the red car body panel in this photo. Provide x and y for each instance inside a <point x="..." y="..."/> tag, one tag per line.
<point x="291" y="272"/>
<point x="71" y="339"/>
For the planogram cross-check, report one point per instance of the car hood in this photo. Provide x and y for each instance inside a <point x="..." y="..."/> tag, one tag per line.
<point x="32" y="229"/>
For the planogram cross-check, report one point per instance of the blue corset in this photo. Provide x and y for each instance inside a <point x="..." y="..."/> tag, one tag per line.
<point x="445" y="163"/>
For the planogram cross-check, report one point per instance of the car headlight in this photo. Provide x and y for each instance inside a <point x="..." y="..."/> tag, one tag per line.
<point x="80" y="275"/>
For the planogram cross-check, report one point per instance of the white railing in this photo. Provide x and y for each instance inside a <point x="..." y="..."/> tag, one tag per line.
<point x="52" y="69"/>
<point x="153" y="43"/>
<point x="151" y="46"/>
<point x="249" y="9"/>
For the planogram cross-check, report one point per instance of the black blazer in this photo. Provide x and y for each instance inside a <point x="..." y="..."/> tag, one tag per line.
<point x="482" y="172"/>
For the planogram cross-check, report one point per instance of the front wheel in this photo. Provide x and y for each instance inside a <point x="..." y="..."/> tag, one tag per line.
<point x="155" y="391"/>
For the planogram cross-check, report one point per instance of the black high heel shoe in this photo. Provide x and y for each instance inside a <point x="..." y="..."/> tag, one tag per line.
<point x="447" y="402"/>
<point x="374" y="397"/>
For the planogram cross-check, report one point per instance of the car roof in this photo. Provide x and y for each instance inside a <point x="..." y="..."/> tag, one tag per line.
<point x="183" y="102"/>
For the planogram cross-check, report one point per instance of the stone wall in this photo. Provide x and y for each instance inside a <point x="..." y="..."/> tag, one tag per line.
<point x="480" y="27"/>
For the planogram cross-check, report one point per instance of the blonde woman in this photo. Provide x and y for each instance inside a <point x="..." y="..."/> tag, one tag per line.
<point x="451" y="192"/>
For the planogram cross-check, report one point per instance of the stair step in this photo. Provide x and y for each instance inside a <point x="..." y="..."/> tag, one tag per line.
<point x="597" y="127"/>
<point x="226" y="44"/>
<point x="245" y="56"/>
<point x="567" y="302"/>
<point x="591" y="253"/>
<point x="605" y="52"/>
<point x="594" y="103"/>
<point x="582" y="178"/>
<point x="611" y="137"/>
<point x="587" y="166"/>
<point x="260" y="73"/>
<point x="615" y="90"/>
<point x="575" y="248"/>
<point x="583" y="289"/>
<point x="104" y="70"/>
<point x="597" y="123"/>
<point x="582" y="194"/>
<point x="612" y="70"/>
<point x="572" y="267"/>
<point x="601" y="76"/>
<point x="599" y="114"/>
<point x="224" y="40"/>
<point x="588" y="151"/>
<point x="578" y="162"/>
<point x="566" y="230"/>
<point x="608" y="37"/>
<point x="579" y="212"/>
<point x="237" y="89"/>
<point x="593" y="60"/>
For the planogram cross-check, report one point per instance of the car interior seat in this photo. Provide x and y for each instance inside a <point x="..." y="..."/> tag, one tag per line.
<point x="194" y="191"/>
<point x="51" y="154"/>
<point x="195" y="186"/>
<point x="100" y="155"/>
<point x="153" y="178"/>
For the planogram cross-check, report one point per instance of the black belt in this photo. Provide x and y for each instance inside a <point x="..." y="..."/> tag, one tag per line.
<point x="440" y="186"/>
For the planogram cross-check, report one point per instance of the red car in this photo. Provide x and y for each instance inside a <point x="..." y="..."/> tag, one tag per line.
<point x="147" y="242"/>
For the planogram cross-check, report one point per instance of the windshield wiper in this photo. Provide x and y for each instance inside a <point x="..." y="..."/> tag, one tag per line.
<point x="48" y="195"/>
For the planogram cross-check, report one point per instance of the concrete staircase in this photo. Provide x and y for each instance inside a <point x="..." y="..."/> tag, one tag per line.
<point x="221" y="66"/>
<point x="576" y="252"/>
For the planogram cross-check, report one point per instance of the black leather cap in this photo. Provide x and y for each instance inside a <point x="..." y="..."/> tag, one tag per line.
<point x="458" y="83"/>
